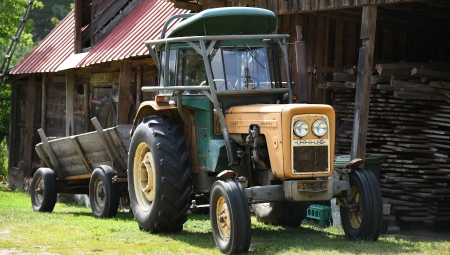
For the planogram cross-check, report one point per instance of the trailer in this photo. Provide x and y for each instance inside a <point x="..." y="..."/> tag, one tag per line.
<point x="92" y="163"/>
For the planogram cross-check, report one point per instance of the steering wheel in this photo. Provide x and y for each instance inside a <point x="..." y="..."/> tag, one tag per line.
<point x="222" y="86"/>
<point x="255" y="82"/>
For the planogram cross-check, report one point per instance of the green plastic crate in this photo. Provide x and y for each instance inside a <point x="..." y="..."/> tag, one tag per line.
<point x="371" y="163"/>
<point x="322" y="213"/>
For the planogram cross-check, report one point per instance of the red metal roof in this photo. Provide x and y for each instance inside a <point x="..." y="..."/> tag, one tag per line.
<point x="124" y="41"/>
<point x="51" y="51"/>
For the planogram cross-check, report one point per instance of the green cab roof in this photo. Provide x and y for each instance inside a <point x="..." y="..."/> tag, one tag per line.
<point x="227" y="21"/>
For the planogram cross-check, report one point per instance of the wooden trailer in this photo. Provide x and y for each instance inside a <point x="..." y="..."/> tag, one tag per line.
<point x="92" y="163"/>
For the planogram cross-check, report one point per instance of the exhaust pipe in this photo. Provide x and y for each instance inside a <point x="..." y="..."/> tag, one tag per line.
<point x="301" y="88"/>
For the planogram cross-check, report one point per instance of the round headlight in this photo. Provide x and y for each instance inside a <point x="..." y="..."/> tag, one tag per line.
<point x="319" y="127"/>
<point x="301" y="128"/>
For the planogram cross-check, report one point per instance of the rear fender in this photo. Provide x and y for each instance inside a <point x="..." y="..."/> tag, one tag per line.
<point x="152" y="108"/>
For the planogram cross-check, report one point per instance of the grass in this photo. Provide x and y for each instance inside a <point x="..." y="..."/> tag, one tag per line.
<point x="73" y="230"/>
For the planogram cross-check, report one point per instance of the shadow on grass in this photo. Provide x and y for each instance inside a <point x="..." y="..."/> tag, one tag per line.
<point x="268" y="239"/>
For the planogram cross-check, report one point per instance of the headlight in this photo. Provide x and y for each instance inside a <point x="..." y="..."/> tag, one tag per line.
<point x="301" y="128"/>
<point x="319" y="127"/>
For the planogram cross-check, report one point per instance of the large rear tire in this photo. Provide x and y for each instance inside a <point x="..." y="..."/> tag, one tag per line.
<point x="366" y="222"/>
<point x="44" y="190"/>
<point x="159" y="175"/>
<point x="103" y="193"/>
<point x="289" y="214"/>
<point x="230" y="217"/>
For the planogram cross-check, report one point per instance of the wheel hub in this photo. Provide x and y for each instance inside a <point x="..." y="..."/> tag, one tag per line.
<point x="39" y="191"/>
<point x="355" y="217"/>
<point x="99" y="188"/>
<point x="223" y="218"/>
<point x="144" y="176"/>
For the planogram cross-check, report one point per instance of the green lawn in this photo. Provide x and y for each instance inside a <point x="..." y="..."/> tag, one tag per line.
<point x="73" y="230"/>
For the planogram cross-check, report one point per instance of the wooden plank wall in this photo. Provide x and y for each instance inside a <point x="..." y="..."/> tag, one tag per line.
<point x="332" y="43"/>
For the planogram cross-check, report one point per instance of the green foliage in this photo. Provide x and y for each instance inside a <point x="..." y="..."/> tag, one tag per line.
<point x="47" y="18"/>
<point x="4" y="158"/>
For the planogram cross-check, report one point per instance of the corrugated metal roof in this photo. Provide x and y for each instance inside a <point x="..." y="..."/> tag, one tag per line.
<point x="56" y="47"/>
<point x="127" y="39"/>
<point x="124" y="41"/>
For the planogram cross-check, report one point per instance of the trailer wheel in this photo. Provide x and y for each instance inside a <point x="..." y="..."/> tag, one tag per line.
<point x="159" y="175"/>
<point x="289" y="214"/>
<point x="43" y="190"/>
<point x="103" y="193"/>
<point x="366" y="222"/>
<point x="230" y="217"/>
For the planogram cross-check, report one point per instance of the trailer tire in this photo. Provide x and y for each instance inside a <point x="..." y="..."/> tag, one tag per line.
<point x="230" y="217"/>
<point x="366" y="223"/>
<point x="289" y="214"/>
<point x="103" y="193"/>
<point x="43" y="190"/>
<point x="159" y="175"/>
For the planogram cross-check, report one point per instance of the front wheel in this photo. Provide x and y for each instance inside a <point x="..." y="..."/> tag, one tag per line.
<point x="44" y="190"/>
<point x="365" y="223"/>
<point x="103" y="193"/>
<point x="230" y="217"/>
<point x="159" y="175"/>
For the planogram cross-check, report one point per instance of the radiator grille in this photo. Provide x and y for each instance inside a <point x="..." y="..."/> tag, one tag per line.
<point x="310" y="159"/>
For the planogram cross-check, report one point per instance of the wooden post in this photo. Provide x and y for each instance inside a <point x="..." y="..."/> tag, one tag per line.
<point x="51" y="154"/>
<point x="365" y="67"/>
<point x="12" y="129"/>
<point x="44" y="102"/>
<point x="138" y="86"/>
<point x="86" y="107"/>
<point x="29" y="128"/>
<point x="123" y="106"/>
<point x="78" y="25"/>
<point x="70" y="87"/>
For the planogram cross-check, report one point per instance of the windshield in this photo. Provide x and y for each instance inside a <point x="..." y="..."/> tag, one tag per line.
<point x="233" y="68"/>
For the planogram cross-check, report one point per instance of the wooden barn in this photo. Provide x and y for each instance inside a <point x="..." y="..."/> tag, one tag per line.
<point x="384" y="65"/>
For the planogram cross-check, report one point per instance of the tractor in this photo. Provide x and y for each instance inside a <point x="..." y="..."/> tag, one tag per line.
<point x="224" y="134"/>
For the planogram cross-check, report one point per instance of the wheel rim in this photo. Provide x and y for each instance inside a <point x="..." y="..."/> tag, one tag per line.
<point x="356" y="217"/>
<point x="39" y="191"/>
<point x="99" y="198"/>
<point x="144" y="177"/>
<point x="223" y="219"/>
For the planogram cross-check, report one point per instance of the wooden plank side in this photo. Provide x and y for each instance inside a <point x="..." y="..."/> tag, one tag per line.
<point x="81" y="154"/>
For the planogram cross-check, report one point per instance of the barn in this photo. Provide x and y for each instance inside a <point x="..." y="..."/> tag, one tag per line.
<point x="382" y="64"/>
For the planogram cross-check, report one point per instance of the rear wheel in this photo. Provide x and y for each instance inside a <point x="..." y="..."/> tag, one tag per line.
<point x="365" y="223"/>
<point x="159" y="175"/>
<point x="281" y="213"/>
<point x="103" y="193"/>
<point x="230" y="217"/>
<point x="44" y="190"/>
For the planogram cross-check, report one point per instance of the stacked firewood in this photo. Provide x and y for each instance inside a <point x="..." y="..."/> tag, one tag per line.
<point x="409" y="126"/>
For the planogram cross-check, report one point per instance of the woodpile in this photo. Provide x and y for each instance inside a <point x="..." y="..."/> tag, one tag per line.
<point x="409" y="126"/>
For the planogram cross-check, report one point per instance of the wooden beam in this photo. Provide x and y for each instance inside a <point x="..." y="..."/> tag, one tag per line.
<point x="108" y="145"/>
<point x="138" y="86"/>
<point x="29" y="128"/>
<point x="86" y="106"/>
<point x="78" y="25"/>
<point x="70" y="90"/>
<point x="123" y="106"/>
<point x="363" y="82"/>
<point x="44" y="102"/>
<point x="81" y="154"/>
<point x="51" y="154"/>
<point x="13" y="127"/>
